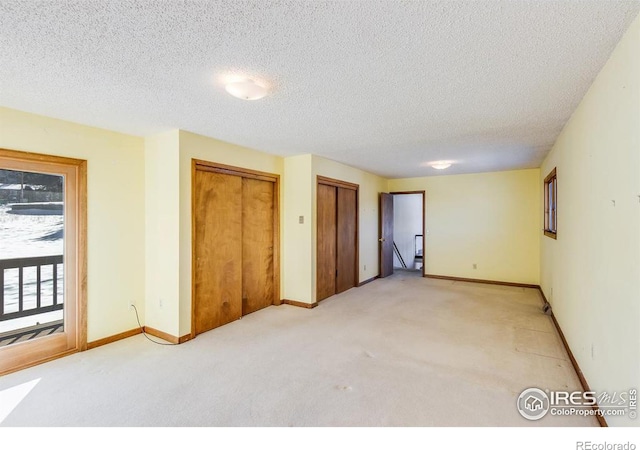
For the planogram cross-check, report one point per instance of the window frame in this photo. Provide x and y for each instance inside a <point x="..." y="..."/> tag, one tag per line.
<point x="551" y="207"/>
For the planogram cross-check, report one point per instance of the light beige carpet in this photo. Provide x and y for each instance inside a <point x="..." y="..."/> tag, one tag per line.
<point x="403" y="351"/>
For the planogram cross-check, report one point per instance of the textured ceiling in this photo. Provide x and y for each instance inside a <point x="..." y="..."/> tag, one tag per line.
<point x="380" y="85"/>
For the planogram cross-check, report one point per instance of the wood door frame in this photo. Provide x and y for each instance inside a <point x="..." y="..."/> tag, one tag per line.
<point x="210" y="166"/>
<point x="21" y="355"/>
<point x="424" y="224"/>
<point x="346" y="185"/>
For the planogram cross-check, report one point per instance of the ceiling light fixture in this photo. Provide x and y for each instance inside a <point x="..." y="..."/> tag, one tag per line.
<point x="246" y="89"/>
<point x="441" y="165"/>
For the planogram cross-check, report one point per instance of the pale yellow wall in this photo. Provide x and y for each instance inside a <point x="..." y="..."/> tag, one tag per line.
<point x="201" y="147"/>
<point x="116" y="211"/>
<point x="591" y="273"/>
<point x="488" y="219"/>
<point x="297" y="193"/>
<point x="368" y="206"/>
<point x="162" y="195"/>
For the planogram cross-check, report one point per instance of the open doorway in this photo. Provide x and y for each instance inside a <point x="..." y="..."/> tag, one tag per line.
<point x="408" y="245"/>
<point x="402" y="233"/>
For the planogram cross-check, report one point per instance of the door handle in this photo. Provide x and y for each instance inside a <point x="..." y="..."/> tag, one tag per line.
<point x="381" y="239"/>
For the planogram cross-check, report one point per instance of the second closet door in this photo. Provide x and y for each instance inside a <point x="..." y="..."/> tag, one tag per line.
<point x="257" y="244"/>
<point x="337" y="241"/>
<point x="346" y="239"/>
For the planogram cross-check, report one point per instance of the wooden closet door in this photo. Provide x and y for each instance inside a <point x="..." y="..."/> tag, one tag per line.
<point x="346" y="235"/>
<point x="218" y="249"/>
<point x="386" y="234"/>
<point x="326" y="260"/>
<point x="257" y="244"/>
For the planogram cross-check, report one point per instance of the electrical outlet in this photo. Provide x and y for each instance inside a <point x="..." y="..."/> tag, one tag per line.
<point x="365" y="267"/>
<point x="300" y="219"/>
<point x="475" y="266"/>
<point x="131" y="306"/>
<point x="160" y="303"/>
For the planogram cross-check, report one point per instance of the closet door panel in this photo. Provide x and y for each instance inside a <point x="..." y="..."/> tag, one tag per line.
<point x="257" y="244"/>
<point x="218" y="249"/>
<point x="386" y="234"/>
<point x="346" y="235"/>
<point x="326" y="261"/>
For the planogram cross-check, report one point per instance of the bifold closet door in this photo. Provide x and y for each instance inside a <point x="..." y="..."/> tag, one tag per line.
<point x="327" y="241"/>
<point x="346" y="240"/>
<point x="257" y="244"/>
<point x="218" y="249"/>
<point x="337" y="240"/>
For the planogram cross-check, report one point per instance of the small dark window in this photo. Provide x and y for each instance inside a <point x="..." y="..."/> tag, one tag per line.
<point x="551" y="205"/>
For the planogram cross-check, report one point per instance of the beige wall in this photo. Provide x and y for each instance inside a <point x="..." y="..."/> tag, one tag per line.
<point x="591" y="273"/>
<point x="116" y="212"/>
<point x="298" y="269"/>
<point x="488" y="219"/>
<point x="162" y="235"/>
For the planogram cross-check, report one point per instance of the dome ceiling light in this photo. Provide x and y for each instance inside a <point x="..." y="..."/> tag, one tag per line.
<point x="441" y="165"/>
<point x="246" y="89"/>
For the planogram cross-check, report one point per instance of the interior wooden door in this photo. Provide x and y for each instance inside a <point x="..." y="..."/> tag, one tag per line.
<point x="218" y="249"/>
<point x="327" y="241"/>
<point x="346" y="239"/>
<point x="257" y="244"/>
<point x="386" y="235"/>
